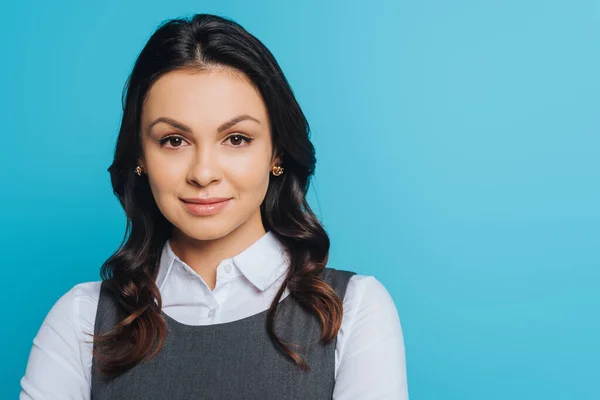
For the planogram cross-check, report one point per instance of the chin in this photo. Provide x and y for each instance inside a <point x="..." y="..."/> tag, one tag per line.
<point x="206" y="230"/>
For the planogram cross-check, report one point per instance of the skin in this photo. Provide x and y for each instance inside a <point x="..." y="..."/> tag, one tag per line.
<point x="208" y="163"/>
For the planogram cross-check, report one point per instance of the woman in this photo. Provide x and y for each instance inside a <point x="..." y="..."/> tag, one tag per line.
<point x="220" y="288"/>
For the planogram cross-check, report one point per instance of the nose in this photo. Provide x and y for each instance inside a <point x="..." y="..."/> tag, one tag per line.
<point x="205" y="168"/>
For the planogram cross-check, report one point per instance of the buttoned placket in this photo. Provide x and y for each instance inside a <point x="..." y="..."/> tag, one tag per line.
<point x="205" y="297"/>
<point x="226" y="274"/>
<point x="211" y="301"/>
<point x="218" y="296"/>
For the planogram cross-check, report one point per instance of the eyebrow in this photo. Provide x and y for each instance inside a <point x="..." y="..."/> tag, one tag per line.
<point x="224" y="126"/>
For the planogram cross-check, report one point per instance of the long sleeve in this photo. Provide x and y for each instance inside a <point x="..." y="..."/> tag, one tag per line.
<point x="54" y="369"/>
<point x="372" y="362"/>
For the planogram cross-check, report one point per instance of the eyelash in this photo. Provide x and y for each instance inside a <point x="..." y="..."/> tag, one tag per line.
<point x="164" y="140"/>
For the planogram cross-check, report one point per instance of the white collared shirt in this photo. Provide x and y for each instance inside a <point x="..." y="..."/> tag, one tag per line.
<point x="369" y="355"/>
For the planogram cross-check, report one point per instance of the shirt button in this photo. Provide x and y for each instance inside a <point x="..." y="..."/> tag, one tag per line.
<point x="228" y="268"/>
<point x="211" y="313"/>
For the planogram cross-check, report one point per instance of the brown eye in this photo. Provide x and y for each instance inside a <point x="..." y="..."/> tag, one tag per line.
<point x="174" y="141"/>
<point x="238" y="140"/>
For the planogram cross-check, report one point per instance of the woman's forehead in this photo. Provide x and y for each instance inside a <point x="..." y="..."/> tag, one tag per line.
<point x="203" y="97"/>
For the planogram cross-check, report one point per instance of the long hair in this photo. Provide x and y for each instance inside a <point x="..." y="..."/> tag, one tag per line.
<point x="201" y="42"/>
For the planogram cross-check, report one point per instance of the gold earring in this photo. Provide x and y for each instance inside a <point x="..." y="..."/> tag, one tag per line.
<point x="277" y="170"/>
<point x="138" y="170"/>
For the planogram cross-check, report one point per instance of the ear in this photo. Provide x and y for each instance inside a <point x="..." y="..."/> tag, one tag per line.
<point x="276" y="160"/>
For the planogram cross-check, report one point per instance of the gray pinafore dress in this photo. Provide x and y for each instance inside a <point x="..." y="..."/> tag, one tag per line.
<point x="233" y="360"/>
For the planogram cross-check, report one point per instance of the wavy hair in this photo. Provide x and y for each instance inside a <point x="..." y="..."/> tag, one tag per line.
<point x="199" y="43"/>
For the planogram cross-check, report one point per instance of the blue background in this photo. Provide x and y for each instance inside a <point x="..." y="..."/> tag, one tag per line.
<point x="458" y="149"/>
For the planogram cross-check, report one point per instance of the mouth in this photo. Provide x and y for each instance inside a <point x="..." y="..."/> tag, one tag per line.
<point x="204" y="207"/>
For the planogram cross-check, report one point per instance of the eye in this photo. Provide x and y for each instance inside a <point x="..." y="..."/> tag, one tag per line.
<point x="174" y="141"/>
<point x="237" y="139"/>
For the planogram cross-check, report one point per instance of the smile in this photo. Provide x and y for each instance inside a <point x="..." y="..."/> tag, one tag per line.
<point x="205" y="209"/>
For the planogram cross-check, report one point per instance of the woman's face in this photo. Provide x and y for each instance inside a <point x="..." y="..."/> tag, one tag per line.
<point x="192" y="150"/>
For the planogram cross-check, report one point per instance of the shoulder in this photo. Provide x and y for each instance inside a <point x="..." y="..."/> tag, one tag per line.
<point x="79" y="298"/>
<point x="370" y="355"/>
<point x="75" y="309"/>
<point x="366" y="295"/>
<point x="362" y="292"/>
<point x="62" y="345"/>
<point x="370" y="315"/>
<point x="86" y="291"/>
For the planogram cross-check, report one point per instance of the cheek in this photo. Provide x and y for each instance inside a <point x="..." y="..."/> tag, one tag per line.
<point x="165" y="171"/>
<point x="252" y="179"/>
<point x="163" y="183"/>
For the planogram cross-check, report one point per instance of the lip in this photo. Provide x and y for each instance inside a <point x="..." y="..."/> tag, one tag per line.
<point x="205" y="200"/>
<point x="203" y="207"/>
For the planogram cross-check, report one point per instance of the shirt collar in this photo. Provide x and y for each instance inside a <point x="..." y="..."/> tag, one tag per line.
<point x="262" y="263"/>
